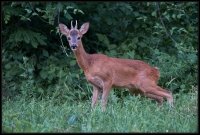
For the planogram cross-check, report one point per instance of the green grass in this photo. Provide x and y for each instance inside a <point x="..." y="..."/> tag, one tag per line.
<point x="131" y="114"/>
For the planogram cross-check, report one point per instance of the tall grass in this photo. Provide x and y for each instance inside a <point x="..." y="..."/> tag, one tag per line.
<point x="130" y="114"/>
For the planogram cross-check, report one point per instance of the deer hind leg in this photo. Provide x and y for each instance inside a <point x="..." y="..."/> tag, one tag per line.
<point x="155" y="91"/>
<point x="136" y="92"/>
<point x="159" y="99"/>
<point x="170" y="97"/>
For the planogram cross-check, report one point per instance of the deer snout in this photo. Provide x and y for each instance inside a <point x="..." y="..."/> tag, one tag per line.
<point x="73" y="46"/>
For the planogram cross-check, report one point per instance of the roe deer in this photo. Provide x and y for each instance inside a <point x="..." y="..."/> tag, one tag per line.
<point x="105" y="72"/>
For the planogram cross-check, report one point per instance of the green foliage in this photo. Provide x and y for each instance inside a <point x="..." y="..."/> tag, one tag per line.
<point x="32" y="64"/>
<point x="45" y="91"/>
<point x="28" y="37"/>
<point x="163" y="35"/>
<point x="132" y="114"/>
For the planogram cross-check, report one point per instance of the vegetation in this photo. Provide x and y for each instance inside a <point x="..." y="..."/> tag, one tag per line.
<point x="43" y="87"/>
<point x="132" y="114"/>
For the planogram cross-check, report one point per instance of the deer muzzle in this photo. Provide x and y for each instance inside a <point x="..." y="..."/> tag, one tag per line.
<point x="73" y="47"/>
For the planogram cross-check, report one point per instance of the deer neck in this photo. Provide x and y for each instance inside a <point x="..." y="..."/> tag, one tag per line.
<point x="82" y="57"/>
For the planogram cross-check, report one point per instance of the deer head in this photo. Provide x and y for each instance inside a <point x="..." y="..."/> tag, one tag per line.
<point x="74" y="34"/>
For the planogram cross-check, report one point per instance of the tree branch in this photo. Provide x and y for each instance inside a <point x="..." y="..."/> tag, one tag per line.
<point x="161" y="20"/>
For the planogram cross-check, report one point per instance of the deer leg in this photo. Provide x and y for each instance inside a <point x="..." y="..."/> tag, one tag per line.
<point x="98" y="84"/>
<point x="136" y="92"/>
<point x="94" y="96"/>
<point x="96" y="81"/>
<point x="105" y="99"/>
<point x="106" y="91"/>
<point x="105" y="85"/>
<point x="161" y="89"/>
<point x="159" y="99"/>
<point x="155" y="90"/>
<point x="169" y="98"/>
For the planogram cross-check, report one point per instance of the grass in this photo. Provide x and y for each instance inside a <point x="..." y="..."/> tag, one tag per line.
<point x="131" y="114"/>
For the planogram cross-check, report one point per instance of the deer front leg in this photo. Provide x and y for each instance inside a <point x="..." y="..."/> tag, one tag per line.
<point x="94" y="95"/>
<point x="104" y="99"/>
<point x="100" y="84"/>
<point x="106" y="91"/>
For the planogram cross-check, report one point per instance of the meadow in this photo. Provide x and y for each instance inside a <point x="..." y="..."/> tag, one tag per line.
<point x="130" y="114"/>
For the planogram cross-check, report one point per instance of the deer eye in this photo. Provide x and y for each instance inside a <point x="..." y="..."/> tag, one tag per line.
<point x="78" y="38"/>
<point x="68" y="38"/>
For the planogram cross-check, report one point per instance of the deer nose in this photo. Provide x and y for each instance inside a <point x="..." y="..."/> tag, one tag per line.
<point x="74" y="46"/>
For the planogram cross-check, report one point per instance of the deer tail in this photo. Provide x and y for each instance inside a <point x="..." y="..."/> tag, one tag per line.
<point x="155" y="74"/>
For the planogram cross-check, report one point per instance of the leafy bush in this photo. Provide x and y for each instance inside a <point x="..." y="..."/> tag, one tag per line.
<point x="162" y="34"/>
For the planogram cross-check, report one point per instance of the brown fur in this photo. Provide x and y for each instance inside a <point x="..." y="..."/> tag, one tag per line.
<point x="137" y="76"/>
<point x="105" y="72"/>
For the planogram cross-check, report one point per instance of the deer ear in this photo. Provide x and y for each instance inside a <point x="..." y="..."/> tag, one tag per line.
<point x="63" y="28"/>
<point x="84" y="28"/>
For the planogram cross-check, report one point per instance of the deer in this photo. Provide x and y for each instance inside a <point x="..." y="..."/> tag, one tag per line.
<point x="104" y="72"/>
